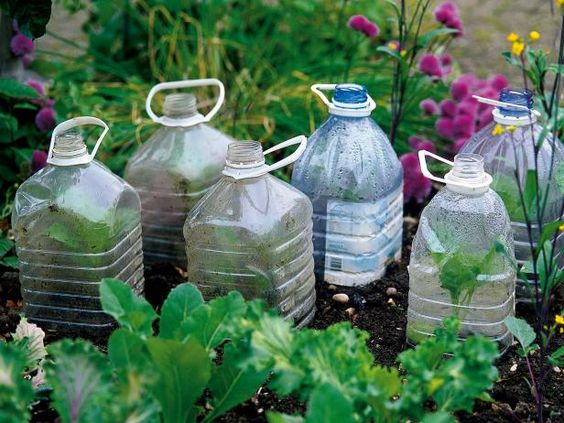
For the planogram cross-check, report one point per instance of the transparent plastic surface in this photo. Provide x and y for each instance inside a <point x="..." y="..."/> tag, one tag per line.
<point x="354" y="180"/>
<point x="503" y="154"/>
<point x="462" y="264"/>
<point x="171" y="172"/>
<point x="254" y="235"/>
<point x="75" y="225"/>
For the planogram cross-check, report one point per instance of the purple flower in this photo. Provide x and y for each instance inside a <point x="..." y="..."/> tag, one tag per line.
<point x="429" y="107"/>
<point x="431" y="66"/>
<point x="362" y="24"/>
<point x="460" y="90"/>
<point x="468" y="107"/>
<point x="444" y="127"/>
<point x="498" y="82"/>
<point x="446" y="60"/>
<point x="21" y="44"/>
<point x="448" y="108"/>
<point x="415" y="185"/>
<point x="38" y="160"/>
<point x="45" y="119"/>
<point x="447" y="14"/>
<point x="421" y="144"/>
<point x="36" y="85"/>
<point x="459" y="143"/>
<point x="463" y="126"/>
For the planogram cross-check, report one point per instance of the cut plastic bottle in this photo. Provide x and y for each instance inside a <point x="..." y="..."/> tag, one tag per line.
<point x="75" y="222"/>
<point x="253" y="233"/>
<point x="508" y="147"/>
<point x="355" y="182"/>
<point x="175" y="168"/>
<point x="462" y="259"/>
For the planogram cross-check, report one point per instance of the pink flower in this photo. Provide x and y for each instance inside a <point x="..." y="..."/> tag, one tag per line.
<point x="459" y="90"/>
<point x="498" y="82"/>
<point x="45" y="119"/>
<point x="421" y="144"/>
<point x="429" y="107"/>
<point x="463" y="126"/>
<point x="415" y="185"/>
<point x="447" y="14"/>
<point x="444" y="127"/>
<point x="431" y="66"/>
<point x="468" y="107"/>
<point x="21" y="45"/>
<point x="362" y="24"/>
<point x="448" y="108"/>
<point x="446" y="60"/>
<point x="36" y="85"/>
<point x="38" y="160"/>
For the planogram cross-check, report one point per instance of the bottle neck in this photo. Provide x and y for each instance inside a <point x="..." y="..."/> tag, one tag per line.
<point x="467" y="175"/>
<point x="69" y="146"/>
<point x="244" y="155"/>
<point x="180" y="106"/>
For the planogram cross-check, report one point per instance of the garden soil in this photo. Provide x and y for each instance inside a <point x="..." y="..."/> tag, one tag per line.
<point x="380" y="309"/>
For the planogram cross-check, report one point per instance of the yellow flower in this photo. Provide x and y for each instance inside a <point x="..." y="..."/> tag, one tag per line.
<point x="403" y="53"/>
<point x="511" y="128"/>
<point x="498" y="130"/>
<point x="559" y="319"/>
<point x="534" y="35"/>
<point x="393" y="45"/>
<point x="561" y="227"/>
<point x="559" y="3"/>
<point x="517" y="48"/>
<point x="512" y="37"/>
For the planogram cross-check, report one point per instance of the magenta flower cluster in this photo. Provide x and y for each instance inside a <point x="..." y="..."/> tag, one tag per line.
<point x="415" y="186"/>
<point x="44" y="119"/>
<point x="435" y="66"/>
<point x="461" y="115"/>
<point x="21" y="45"/>
<point x="447" y="13"/>
<point x="364" y="25"/>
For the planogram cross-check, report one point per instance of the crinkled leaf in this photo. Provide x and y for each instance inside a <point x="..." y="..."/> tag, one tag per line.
<point x="183" y="371"/>
<point x="327" y="404"/>
<point x="438" y="417"/>
<point x="283" y="418"/>
<point x="210" y="324"/>
<point x="232" y="383"/>
<point x="16" y="392"/>
<point x="180" y="303"/>
<point x="131" y="311"/>
<point x="33" y="337"/>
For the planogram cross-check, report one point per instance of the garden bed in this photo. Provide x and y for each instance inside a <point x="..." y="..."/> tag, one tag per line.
<point x="379" y="309"/>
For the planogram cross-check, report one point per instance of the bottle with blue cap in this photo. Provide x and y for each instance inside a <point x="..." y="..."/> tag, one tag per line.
<point x="175" y="167"/>
<point x="75" y="222"/>
<point x="508" y="146"/>
<point x="252" y="233"/>
<point x="462" y="257"/>
<point x="354" y="180"/>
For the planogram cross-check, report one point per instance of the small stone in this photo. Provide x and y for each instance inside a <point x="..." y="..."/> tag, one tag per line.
<point x="556" y="369"/>
<point x="513" y="368"/>
<point x="391" y="291"/>
<point x="341" y="298"/>
<point x="331" y="287"/>
<point x="351" y="311"/>
<point x="391" y="302"/>
<point x="410" y="221"/>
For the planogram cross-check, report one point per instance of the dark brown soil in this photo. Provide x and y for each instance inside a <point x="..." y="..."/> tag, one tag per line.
<point x="380" y="314"/>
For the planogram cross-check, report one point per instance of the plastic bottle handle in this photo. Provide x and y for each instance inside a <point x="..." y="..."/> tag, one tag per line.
<point x="422" y="154"/>
<point x="193" y="120"/>
<point x="73" y="123"/>
<point x="245" y="173"/>
<point x="318" y="88"/>
<point x="504" y="104"/>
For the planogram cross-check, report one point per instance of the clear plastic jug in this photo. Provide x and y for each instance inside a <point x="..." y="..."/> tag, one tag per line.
<point x="175" y="168"/>
<point x="462" y="257"/>
<point x="252" y="233"/>
<point x="355" y="182"/>
<point x="508" y="146"/>
<point x="75" y="222"/>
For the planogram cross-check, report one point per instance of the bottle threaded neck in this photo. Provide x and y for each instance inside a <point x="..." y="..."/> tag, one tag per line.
<point x="519" y="97"/>
<point x="468" y="166"/>
<point x="68" y="145"/>
<point x="180" y="105"/>
<point x="244" y="153"/>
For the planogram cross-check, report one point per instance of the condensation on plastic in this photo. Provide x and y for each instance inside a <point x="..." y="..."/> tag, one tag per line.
<point x="75" y="225"/>
<point x="354" y="180"/>
<point x="455" y="223"/>
<point x="253" y="235"/>
<point x="171" y="172"/>
<point x="502" y="155"/>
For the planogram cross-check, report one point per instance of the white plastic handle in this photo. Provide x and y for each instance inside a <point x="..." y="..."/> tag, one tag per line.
<point x="422" y="154"/>
<point x="244" y="172"/>
<point x="73" y="123"/>
<point x="503" y="104"/>
<point x="363" y="110"/>
<point x="189" y="83"/>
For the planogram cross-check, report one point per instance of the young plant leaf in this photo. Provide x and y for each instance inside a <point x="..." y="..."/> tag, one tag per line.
<point x="520" y="330"/>
<point x="183" y="371"/>
<point x="131" y="311"/>
<point x="180" y="303"/>
<point x="231" y="383"/>
<point x="557" y="357"/>
<point x="16" y="392"/>
<point x="328" y="404"/>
